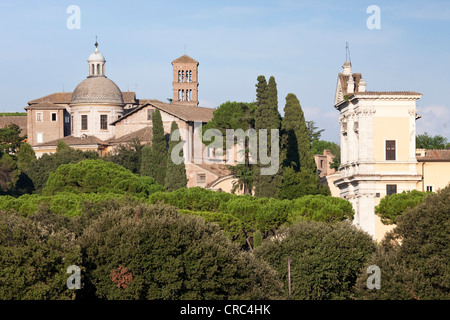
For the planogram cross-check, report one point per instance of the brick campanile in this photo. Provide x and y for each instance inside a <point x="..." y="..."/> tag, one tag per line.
<point x="185" y="81"/>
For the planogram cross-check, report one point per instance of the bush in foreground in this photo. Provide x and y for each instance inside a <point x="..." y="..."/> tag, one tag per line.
<point x="414" y="258"/>
<point x="153" y="252"/>
<point x="99" y="176"/>
<point x="325" y="258"/>
<point x="34" y="255"/>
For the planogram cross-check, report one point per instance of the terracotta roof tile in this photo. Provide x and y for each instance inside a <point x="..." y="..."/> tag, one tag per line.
<point x="144" y="135"/>
<point x="185" y="59"/>
<point x="73" y="141"/>
<point x="57" y="98"/>
<point x="435" y="155"/>
<point x="21" y="121"/>
<point x="186" y="113"/>
<point x="66" y="97"/>
<point x="45" y="105"/>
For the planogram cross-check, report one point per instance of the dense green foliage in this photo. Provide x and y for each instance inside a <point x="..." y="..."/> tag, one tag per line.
<point x="425" y="141"/>
<point x="266" y="118"/>
<point x="296" y="140"/>
<point x="98" y="176"/>
<point x="64" y="203"/>
<point x="300" y="175"/>
<point x="25" y="156"/>
<point x="34" y="255"/>
<point x="176" y="173"/>
<point x="154" y="161"/>
<point x="39" y="170"/>
<point x="325" y="258"/>
<point x="7" y="114"/>
<point x="127" y="155"/>
<point x="393" y="206"/>
<point x="414" y="257"/>
<point x="189" y="259"/>
<point x="264" y="215"/>
<point x="10" y="138"/>
<point x="8" y="173"/>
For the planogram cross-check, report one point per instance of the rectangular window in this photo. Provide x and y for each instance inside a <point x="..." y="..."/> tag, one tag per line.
<point x="39" y="116"/>
<point x="84" y="122"/>
<point x="53" y="116"/>
<point x="429" y="188"/>
<point x="39" y="138"/>
<point x="390" y="149"/>
<point x="201" y="178"/>
<point x="103" y="122"/>
<point x="391" y="189"/>
<point x="67" y="119"/>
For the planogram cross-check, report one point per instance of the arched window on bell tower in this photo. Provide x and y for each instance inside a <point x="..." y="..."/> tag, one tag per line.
<point x="185" y="81"/>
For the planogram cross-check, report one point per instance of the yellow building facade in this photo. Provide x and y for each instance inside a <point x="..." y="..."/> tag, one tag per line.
<point x="378" y="150"/>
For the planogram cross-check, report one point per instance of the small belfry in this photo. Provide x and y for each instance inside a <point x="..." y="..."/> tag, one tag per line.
<point x="96" y="63"/>
<point x="185" y="81"/>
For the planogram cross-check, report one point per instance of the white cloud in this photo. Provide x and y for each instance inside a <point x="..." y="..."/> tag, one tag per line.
<point x="435" y="120"/>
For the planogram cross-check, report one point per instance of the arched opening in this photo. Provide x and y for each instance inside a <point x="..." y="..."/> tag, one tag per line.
<point x="98" y="69"/>
<point x="93" y="70"/>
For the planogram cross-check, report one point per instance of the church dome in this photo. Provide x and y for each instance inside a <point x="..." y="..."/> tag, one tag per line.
<point x="97" y="90"/>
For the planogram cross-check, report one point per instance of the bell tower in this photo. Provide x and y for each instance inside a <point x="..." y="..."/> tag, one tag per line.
<point x="185" y="81"/>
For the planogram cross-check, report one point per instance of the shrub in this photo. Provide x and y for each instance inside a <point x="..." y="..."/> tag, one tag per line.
<point x="64" y="203"/>
<point x="34" y="255"/>
<point x="414" y="257"/>
<point x="320" y="208"/>
<point x="231" y="225"/>
<point x="90" y="176"/>
<point x="325" y="258"/>
<point x="189" y="259"/>
<point x="195" y="199"/>
<point x="40" y="169"/>
<point x="391" y="207"/>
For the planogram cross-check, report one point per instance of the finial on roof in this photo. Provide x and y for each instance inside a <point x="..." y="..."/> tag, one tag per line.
<point x="96" y="43"/>
<point x="347" y="53"/>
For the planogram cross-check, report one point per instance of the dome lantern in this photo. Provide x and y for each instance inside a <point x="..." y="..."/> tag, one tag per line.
<point x="96" y="63"/>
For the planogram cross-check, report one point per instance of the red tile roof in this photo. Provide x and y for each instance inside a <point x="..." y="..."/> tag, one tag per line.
<point x="185" y="59"/>
<point x="435" y="155"/>
<point x="21" y="121"/>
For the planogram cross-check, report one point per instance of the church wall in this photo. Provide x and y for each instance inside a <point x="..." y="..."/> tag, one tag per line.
<point x="48" y="129"/>
<point x="194" y="180"/>
<point x="132" y="123"/>
<point x="93" y="115"/>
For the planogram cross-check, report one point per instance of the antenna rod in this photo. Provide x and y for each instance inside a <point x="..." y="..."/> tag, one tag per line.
<point x="347" y="53"/>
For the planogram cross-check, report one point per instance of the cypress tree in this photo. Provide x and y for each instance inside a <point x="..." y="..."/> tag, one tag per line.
<point x="296" y="140"/>
<point x="300" y="176"/>
<point x="273" y="95"/>
<point x="266" y="117"/>
<point x="155" y="162"/>
<point x="176" y="173"/>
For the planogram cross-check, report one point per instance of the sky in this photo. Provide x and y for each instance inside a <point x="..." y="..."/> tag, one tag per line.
<point x="300" y="43"/>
